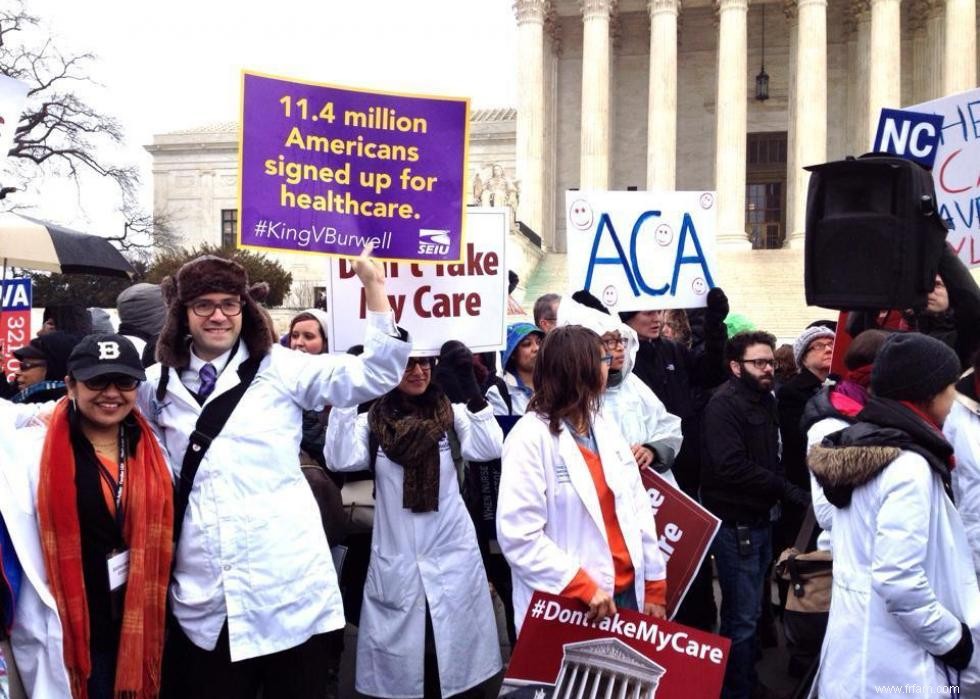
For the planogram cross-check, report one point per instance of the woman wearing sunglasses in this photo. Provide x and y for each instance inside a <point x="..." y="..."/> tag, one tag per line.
<point x="95" y="553"/>
<point x="573" y="517"/>
<point x="427" y="626"/>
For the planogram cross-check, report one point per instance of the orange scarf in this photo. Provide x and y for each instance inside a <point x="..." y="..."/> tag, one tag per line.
<point x="147" y="530"/>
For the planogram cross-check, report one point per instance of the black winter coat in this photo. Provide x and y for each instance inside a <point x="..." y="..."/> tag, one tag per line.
<point x="741" y="475"/>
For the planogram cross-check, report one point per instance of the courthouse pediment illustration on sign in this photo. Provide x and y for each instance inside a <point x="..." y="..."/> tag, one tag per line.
<point x="607" y="668"/>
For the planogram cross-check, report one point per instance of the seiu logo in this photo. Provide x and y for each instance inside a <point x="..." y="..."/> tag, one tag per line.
<point x="433" y="241"/>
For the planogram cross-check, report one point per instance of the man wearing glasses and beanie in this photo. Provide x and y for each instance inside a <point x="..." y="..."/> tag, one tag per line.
<point x="254" y="590"/>
<point x="742" y="483"/>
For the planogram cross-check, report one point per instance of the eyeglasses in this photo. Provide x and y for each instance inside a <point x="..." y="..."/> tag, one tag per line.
<point x="606" y="359"/>
<point x="121" y="382"/>
<point x="820" y="346"/>
<point x="759" y="363"/>
<point x="611" y="343"/>
<point x="206" y="309"/>
<point x="27" y="366"/>
<point x="425" y="363"/>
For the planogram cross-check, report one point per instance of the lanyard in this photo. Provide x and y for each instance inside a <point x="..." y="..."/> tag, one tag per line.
<point x="116" y="486"/>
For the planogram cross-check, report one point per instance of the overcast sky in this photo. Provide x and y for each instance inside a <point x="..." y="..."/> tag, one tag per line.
<point x="169" y="65"/>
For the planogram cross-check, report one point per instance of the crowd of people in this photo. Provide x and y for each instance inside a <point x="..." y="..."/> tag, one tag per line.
<point x="194" y="506"/>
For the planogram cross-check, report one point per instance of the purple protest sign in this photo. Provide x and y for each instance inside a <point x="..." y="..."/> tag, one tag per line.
<point x="326" y="169"/>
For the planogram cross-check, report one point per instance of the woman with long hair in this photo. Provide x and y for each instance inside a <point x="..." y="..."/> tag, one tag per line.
<point x="573" y="518"/>
<point x="427" y="626"/>
<point x="89" y="621"/>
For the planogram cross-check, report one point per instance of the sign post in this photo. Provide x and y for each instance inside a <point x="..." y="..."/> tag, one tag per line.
<point x="638" y="251"/>
<point x="465" y="301"/>
<point x="562" y="654"/>
<point x="686" y="531"/>
<point x="15" y="321"/>
<point x="952" y="153"/>
<point x="328" y="169"/>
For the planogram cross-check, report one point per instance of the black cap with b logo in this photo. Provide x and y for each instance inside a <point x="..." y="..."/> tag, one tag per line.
<point x="100" y="355"/>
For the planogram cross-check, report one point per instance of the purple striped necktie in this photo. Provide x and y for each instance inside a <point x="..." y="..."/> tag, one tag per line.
<point x="209" y="377"/>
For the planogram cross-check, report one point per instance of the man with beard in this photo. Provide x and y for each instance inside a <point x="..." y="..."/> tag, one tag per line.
<point x="742" y="482"/>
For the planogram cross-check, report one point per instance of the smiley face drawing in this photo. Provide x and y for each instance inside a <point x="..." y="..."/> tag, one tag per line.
<point x="699" y="287"/>
<point x="707" y="200"/>
<point x="580" y="214"/>
<point x="664" y="235"/>
<point x="610" y="296"/>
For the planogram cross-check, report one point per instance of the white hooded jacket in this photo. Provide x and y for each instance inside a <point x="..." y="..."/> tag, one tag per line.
<point x="903" y="578"/>
<point x="630" y="404"/>
<point x="962" y="429"/>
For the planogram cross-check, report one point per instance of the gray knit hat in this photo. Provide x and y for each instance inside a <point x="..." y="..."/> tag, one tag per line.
<point x="914" y="367"/>
<point x="806" y="337"/>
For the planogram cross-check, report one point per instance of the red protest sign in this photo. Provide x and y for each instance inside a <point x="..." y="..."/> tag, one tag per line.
<point x="685" y="529"/>
<point x="15" y="321"/>
<point x="561" y="654"/>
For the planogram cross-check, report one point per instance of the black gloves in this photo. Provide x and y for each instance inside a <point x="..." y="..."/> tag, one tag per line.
<point x="795" y="495"/>
<point x="455" y="374"/>
<point x="959" y="657"/>
<point x="717" y="309"/>
<point x="587" y="299"/>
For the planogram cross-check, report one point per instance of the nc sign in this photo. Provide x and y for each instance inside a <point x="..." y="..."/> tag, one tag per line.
<point x="911" y="135"/>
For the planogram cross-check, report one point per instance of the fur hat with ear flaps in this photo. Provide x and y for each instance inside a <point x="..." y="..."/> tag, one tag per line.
<point x="209" y="274"/>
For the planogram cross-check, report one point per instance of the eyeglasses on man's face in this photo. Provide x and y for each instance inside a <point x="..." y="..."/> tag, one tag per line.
<point x="759" y="363"/>
<point x="205" y="308"/>
<point x="611" y="343"/>
<point x="820" y="346"/>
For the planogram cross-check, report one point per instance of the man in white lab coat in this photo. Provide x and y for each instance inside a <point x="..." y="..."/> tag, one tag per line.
<point x="254" y="588"/>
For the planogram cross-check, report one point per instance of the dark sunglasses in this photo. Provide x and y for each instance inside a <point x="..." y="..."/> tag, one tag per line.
<point x="120" y="381"/>
<point x="424" y="362"/>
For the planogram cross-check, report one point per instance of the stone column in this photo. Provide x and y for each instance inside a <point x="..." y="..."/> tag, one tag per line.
<point x="587" y="672"/>
<point x="960" y="55"/>
<point x="885" y="64"/>
<point x="789" y="10"/>
<point x="731" y="122"/>
<point x="935" y="41"/>
<point x="917" y="13"/>
<point x="857" y="85"/>
<point x="662" y="102"/>
<point x="531" y="113"/>
<point x="594" y="169"/>
<point x="810" y="114"/>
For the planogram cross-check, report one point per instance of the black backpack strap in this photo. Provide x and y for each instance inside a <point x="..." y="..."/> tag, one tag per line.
<point x="209" y="425"/>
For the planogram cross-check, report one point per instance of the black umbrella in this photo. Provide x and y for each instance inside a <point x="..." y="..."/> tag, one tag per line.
<point x="27" y="242"/>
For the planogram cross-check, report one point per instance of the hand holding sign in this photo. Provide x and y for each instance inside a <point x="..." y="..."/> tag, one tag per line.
<point x="372" y="276"/>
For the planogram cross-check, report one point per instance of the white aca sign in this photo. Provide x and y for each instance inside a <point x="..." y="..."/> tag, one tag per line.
<point x="638" y="251"/>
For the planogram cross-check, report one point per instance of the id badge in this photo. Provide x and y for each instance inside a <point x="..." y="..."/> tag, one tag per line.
<point x="118" y="566"/>
<point x="118" y="563"/>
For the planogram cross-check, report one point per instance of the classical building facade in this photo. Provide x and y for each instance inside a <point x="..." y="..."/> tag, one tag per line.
<point x="661" y="94"/>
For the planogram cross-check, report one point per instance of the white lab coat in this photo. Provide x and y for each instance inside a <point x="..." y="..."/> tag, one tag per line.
<point x="903" y="582"/>
<point x="962" y="429"/>
<point x="419" y="558"/>
<point x="549" y="523"/>
<point x="822" y="508"/>
<point x="253" y="550"/>
<point x="36" y="636"/>
<point x="631" y="404"/>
